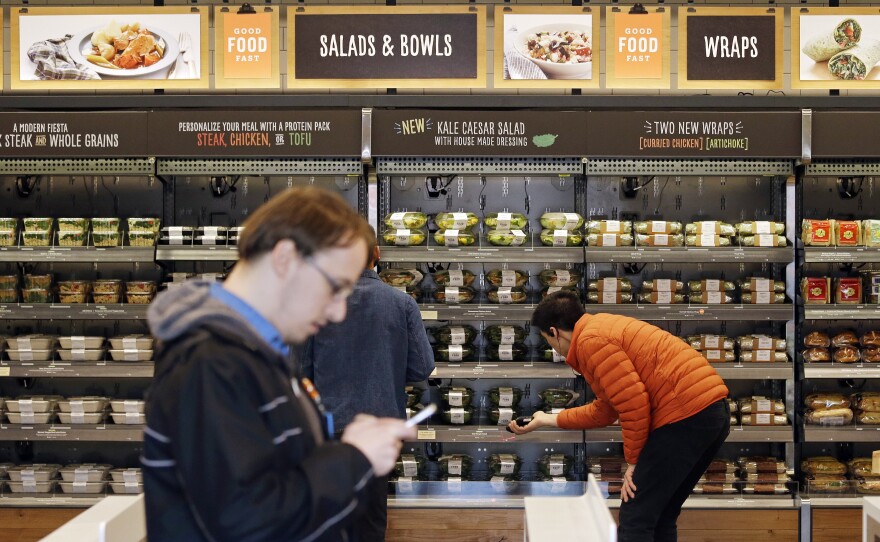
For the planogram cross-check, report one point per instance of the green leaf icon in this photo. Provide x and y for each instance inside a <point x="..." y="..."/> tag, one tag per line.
<point x="544" y="140"/>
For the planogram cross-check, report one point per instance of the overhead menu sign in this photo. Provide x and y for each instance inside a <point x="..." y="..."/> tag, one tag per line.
<point x="833" y="134"/>
<point x="637" y="50"/>
<point x="375" y="47"/>
<point x="64" y="135"/>
<point x="730" y="48"/>
<point x="478" y="133"/>
<point x="281" y="134"/>
<point x="247" y="49"/>
<point x="684" y="134"/>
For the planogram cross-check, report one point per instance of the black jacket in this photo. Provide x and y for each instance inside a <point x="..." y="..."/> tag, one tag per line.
<point x="234" y="450"/>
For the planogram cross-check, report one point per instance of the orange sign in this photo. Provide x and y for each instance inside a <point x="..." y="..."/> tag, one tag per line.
<point x="247" y="45"/>
<point x="638" y="46"/>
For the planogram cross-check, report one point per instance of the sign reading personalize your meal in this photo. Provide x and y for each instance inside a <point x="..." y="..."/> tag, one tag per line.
<point x="109" y="48"/>
<point x="637" y="49"/>
<point x="835" y="48"/>
<point x="730" y="48"/>
<point x="280" y="134"/>
<point x="52" y="135"/>
<point x="374" y="47"/>
<point x="247" y="49"/>
<point x="692" y="134"/>
<point x="547" y="47"/>
<point x="478" y="133"/>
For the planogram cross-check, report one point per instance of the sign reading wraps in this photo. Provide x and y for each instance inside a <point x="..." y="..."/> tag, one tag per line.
<point x="730" y="45"/>
<point x="54" y="135"/>
<point x="387" y="47"/>
<point x="280" y="134"/>
<point x="687" y="134"/>
<point x="478" y="133"/>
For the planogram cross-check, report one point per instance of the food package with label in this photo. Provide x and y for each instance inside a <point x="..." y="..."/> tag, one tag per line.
<point x="707" y="240"/>
<point x="817" y="233"/>
<point x="765" y="489"/>
<point x="505" y="334"/>
<point x="499" y="415"/>
<point x="816" y="290"/>
<point x="508" y="396"/>
<point x="871" y="287"/>
<point x="760" y="464"/>
<point x="403" y="220"/>
<point x="827" y="400"/>
<point x="662" y="285"/>
<point x="559" y="277"/>
<point x="452" y="295"/>
<point x="826" y="483"/>
<point x="823" y="465"/>
<point x="871" y="354"/>
<point x="817" y="338"/>
<point x="507" y="352"/>
<point x="454" y="238"/>
<point x="553" y="289"/>
<point x="871" y="232"/>
<point x="710" y="285"/>
<point x="454" y="352"/>
<point x="845" y="338"/>
<point x="760" y="342"/>
<point x="507" y="277"/>
<point x="410" y="465"/>
<point x="710" y="342"/>
<point x="609" y="297"/>
<point x="404" y="237"/>
<point x="848" y="291"/>
<point x="512" y="238"/>
<point x="718" y="356"/>
<point x="761" y="284"/>
<point x="870" y="338"/>
<point x="724" y="466"/>
<point x="606" y="465"/>
<point x="454" y="277"/>
<point x="710" y="298"/>
<point x="860" y="467"/>
<point x="761" y="405"/>
<point x="847" y="233"/>
<point x="763" y="356"/>
<point x="561" y="221"/>
<point x="715" y="488"/>
<point x="561" y="238"/>
<point x="762" y="241"/>
<point x="816" y="355"/>
<point x="661" y="297"/>
<point x="457" y="415"/>
<point x="456" y="220"/>
<point x="657" y="227"/>
<point x="610" y="284"/>
<point x="846" y="354"/>
<point x="829" y="416"/>
<point x="401" y="277"/>
<point x="454" y="334"/>
<point x="867" y="417"/>
<point x="555" y="464"/>
<point x="558" y="397"/>
<point x="868" y="486"/>
<point x="718" y="477"/>
<point x="505" y="222"/>
<point x="618" y="227"/>
<point x="762" y="298"/>
<point x="710" y="227"/>
<point x="456" y="396"/>
<point x="766" y="478"/>
<point x="659" y="240"/>
<point x="504" y="464"/>
<point x="455" y="464"/>
<point x="760" y="227"/>
<point x="763" y="419"/>
<point x="609" y="240"/>
<point x="506" y="295"/>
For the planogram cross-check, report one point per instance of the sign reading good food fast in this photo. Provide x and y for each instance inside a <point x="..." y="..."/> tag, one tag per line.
<point x="247" y="51"/>
<point x="638" y="46"/>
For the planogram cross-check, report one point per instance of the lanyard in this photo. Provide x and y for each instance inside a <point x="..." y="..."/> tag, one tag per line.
<point x="313" y="394"/>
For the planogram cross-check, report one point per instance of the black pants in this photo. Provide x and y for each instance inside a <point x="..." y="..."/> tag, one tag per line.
<point x="670" y="465"/>
<point x="370" y="526"/>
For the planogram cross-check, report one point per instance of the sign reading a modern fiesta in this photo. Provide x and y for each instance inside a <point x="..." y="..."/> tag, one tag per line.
<point x="95" y="135"/>
<point x="694" y="135"/>
<point x="478" y="133"/>
<point x="247" y="49"/>
<point x="730" y="48"/>
<point x="255" y="133"/>
<point x="637" y="49"/>
<point x="387" y="47"/>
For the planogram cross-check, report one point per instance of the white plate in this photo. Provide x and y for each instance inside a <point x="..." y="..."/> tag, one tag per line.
<point x="83" y="42"/>
<point x="554" y="70"/>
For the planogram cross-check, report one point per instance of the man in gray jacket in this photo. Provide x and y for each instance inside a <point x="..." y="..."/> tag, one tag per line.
<point x="361" y="365"/>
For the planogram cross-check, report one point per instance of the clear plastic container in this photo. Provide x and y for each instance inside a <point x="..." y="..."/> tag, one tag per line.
<point x="128" y="418"/>
<point x="80" y="342"/>
<point x="88" y="403"/>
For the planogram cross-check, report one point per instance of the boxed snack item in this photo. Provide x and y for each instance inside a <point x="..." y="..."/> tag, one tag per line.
<point x="505" y="334"/>
<point x="456" y="220"/>
<point x="507" y="352"/>
<point x="759" y="464"/>
<point x="848" y="291"/>
<point x="761" y="405"/>
<point x="561" y="221"/>
<point x="847" y="233"/>
<point x="817" y="233"/>
<point x="73" y="225"/>
<point x="762" y="356"/>
<point x="816" y="290"/>
<point x="105" y="238"/>
<point x="108" y="224"/>
<point x="38" y="224"/>
<point x="404" y="237"/>
<point x="457" y="334"/>
<point x="762" y="298"/>
<point x="717" y="356"/>
<point x="453" y="352"/>
<point x="128" y="418"/>
<point x="871" y="286"/>
<point x="37" y="281"/>
<point x="760" y="342"/>
<point x="829" y="416"/>
<point x="406" y="220"/>
<point x="37" y="238"/>
<point x="71" y="238"/>
<point x="145" y="225"/>
<point x="142" y="238"/>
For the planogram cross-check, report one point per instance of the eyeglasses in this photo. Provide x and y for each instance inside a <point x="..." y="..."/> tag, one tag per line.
<point x="339" y="291"/>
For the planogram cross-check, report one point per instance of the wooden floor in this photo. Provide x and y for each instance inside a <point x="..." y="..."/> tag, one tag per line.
<point x="32" y="524"/>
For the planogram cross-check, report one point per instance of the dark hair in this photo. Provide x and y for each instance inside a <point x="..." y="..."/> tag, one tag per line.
<point x="560" y="309"/>
<point x="313" y="218"/>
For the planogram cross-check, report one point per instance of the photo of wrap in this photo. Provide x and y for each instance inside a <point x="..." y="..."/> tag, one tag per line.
<point x="823" y="46"/>
<point x="855" y="64"/>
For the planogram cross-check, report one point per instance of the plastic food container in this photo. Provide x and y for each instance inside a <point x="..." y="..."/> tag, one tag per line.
<point x="132" y="342"/>
<point x="106" y="298"/>
<point x="37" y="224"/>
<point x="7" y="238"/>
<point x="211" y="239"/>
<point x="9" y="295"/>
<point x="74" y="418"/>
<point x="176" y="239"/>
<point x="31" y="487"/>
<point x="128" y="418"/>
<point x="41" y="472"/>
<point x="74" y="286"/>
<point x="28" y="342"/>
<point x="8" y="282"/>
<point x="109" y="224"/>
<point x="73" y="224"/>
<point x="69" y="343"/>
<point x="36" y="295"/>
<point x="90" y="488"/>
<point x="140" y="287"/>
<point x="71" y="238"/>
<point x="29" y="355"/>
<point x="131" y="355"/>
<point x="212" y="230"/>
<point x="139" y="299"/>
<point x="143" y="225"/>
<point x="87" y="472"/>
<point x="73" y="298"/>
<point x="81" y="354"/>
<point x="36" y="238"/>
<point x="33" y="417"/>
<point x="124" y="488"/>
<point x="88" y="403"/>
<point x="126" y="475"/>
<point x="127" y="405"/>
<point x="105" y="238"/>
<point x="141" y="238"/>
<point x="8" y="223"/>
<point x="3" y="468"/>
<point x="37" y="281"/>
<point x="34" y="403"/>
<point x="107" y="286"/>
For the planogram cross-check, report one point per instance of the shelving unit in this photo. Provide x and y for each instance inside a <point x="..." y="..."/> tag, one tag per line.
<point x="71" y="432"/>
<point x="77" y="254"/>
<point x="76" y="311"/>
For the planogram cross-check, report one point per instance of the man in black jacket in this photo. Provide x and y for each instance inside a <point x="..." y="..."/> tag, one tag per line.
<point x="236" y="447"/>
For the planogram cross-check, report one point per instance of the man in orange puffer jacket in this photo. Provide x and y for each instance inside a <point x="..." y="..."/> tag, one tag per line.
<point x="671" y="405"/>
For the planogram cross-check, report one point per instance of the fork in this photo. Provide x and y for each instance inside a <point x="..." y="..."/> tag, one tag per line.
<point x="172" y="73"/>
<point x="185" y="42"/>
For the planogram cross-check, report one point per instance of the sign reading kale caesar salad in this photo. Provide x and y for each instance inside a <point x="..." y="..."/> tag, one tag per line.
<point x="478" y="133"/>
<point x="280" y="134"/>
<point x="694" y="135"/>
<point x="56" y="135"/>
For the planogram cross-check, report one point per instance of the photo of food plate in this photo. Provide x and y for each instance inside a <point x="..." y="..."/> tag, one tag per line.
<point x="561" y="51"/>
<point x="844" y="47"/>
<point x="124" y="50"/>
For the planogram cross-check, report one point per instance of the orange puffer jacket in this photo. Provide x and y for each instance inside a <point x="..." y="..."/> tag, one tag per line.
<point x="641" y="375"/>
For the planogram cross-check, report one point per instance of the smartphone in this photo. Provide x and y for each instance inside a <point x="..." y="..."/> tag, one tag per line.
<point x="423" y="415"/>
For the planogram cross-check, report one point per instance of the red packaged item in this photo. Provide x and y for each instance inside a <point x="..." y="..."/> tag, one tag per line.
<point x="848" y="233"/>
<point x="816" y="290"/>
<point x="816" y="233"/>
<point x="848" y="291"/>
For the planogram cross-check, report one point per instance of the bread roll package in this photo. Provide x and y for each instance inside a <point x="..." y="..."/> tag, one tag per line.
<point x="848" y="291"/>
<point x="661" y="298"/>
<point x="765" y="489"/>
<point x="663" y="285"/>
<point x="847" y="233"/>
<point x="710" y="285"/>
<point x="760" y="342"/>
<point x="871" y="354"/>
<point x="710" y="488"/>
<point x="763" y="419"/>
<point x="845" y="338"/>
<point x="710" y="298"/>
<point x="719" y="356"/>
<point x="829" y="416"/>
<point x="610" y="284"/>
<point x="721" y="466"/>
<point x="846" y="354"/>
<point x="710" y="342"/>
<point x="762" y="356"/>
<point x="761" y="284"/>
<point x="870" y="338"/>
<point x="816" y="355"/>
<point x="759" y="464"/>
<point x="761" y="405"/>
<point x="610" y="240"/>
<point x="827" y="400"/>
